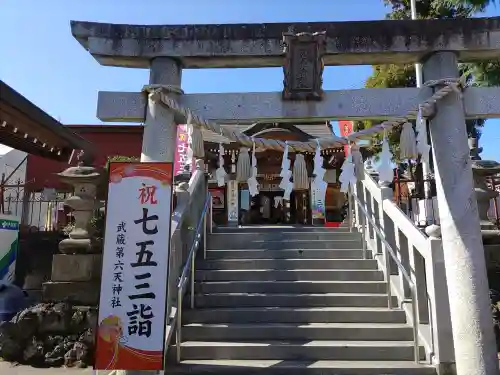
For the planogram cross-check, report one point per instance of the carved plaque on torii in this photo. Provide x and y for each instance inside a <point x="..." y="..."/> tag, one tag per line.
<point x="303" y="67"/>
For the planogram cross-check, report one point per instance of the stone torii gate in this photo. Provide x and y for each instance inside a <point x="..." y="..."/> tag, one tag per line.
<point x="438" y="44"/>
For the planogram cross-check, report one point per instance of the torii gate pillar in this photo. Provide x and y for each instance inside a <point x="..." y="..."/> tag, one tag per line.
<point x="160" y="130"/>
<point x="472" y="324"/>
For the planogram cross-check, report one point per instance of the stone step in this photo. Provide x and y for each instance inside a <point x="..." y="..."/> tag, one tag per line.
<point x="279" y="367"/>
<point x="288" y="264"/>
<point x="289" y="275"/>
<point x="297" y="315"/>
<point x="301" y="350"/>
<point x="312" y="331"/>
<point x="278" y="229"/>
<point x="291" y="300"/>
<point x="257" y="243"/>
<point x="287" y="254"/>
<point x="217" y="240"/>
<point x="291" y="287"/>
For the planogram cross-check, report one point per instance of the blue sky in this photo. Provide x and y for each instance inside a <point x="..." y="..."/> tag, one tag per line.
<point x="40" y="59"/>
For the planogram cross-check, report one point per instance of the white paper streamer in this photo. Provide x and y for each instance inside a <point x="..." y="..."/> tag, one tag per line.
<point x="348" y="175"/>
<point x="385" y="172"/>
<point x="319" y="185"/>
<point x="278" y="201"/>
<point x="286" y="175"/>
<point x="423" y="147"/>
<point x="319" y="172"/>
<point x="220" y="173"/>
<point x="253" y="185"/>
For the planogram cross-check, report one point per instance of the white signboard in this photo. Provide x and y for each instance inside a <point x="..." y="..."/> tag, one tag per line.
<point x="135" y="263"/>
<point x="232" y="201"/>
<point x="9" y="234"/>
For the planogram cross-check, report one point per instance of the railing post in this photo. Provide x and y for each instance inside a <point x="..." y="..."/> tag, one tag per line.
<point x="205" y="234"/>
<point x="178" y="332"/>
<point x="437" y="289"/>
<point x="182" y="194"/>
<point x="193" y="265"/>
<point x="360" y="218"/>
<point x="349" y="202"/>
<point x="383" y="222"/>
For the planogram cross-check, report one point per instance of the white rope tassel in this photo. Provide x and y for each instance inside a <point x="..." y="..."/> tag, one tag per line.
<point x="385" y="172"/>
<point x="407" y="142"/>
<point x="286" y="174"/>
<point x="423" y="147"/>
<point x="300" y="177"/>
<point x="195" y="139"/>
<point x="243" y="168"/>
<point x="348" y="176"/>
<point x="253" y="185"/>
<point x="220" y="173"/>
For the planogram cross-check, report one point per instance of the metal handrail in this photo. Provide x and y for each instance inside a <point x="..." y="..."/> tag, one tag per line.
<point x="406" y="276"/>
<point x="189" y="268"/>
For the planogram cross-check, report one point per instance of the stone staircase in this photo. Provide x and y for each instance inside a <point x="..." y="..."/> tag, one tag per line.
<point x="293" y="301"/>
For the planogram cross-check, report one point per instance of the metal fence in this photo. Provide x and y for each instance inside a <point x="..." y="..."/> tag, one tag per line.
<point x="38" y="211"/>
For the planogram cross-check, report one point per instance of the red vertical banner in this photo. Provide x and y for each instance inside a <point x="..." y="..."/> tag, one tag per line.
<point x="346" y="128"/>
<point x="181" y="146"/>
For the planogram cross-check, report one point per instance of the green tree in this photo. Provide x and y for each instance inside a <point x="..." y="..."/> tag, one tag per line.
<point x="396" y="76"/>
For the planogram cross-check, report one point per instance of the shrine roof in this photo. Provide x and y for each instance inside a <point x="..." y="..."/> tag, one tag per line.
<point x="26" y="127"/>
<point x="261" y="45"/>
<point x="310" y="130"/>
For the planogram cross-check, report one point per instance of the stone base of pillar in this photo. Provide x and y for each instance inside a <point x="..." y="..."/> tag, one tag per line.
<point x="75" y="278"/>
<point x="446" y="369"/>
<point x="72" y="245"/>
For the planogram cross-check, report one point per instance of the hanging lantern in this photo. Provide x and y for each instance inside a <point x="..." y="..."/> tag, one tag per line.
<point x="407" y="142"/>
<point x="243" y="167"/>
<point x="300" y="177"/>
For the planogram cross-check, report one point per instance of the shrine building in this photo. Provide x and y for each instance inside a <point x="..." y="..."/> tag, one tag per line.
<point x="232" y="203"/>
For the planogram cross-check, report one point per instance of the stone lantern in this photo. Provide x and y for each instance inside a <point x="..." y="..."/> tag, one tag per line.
<point x="84" y="180"/>
<point x="77" y="271"/>
<point x="481" y="170"/>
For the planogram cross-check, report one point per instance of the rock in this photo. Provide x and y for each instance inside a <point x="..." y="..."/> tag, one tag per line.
<point x="55" y="357"/>
<point x="87" y="337"/>
<point x="77" y="354"/>
<point x="91" y="319"/>
<point x="77" y="323"/>
<point x="10" y="347"/>
<point x="27" y="323"/>
<point x="495" y="310"/>
<point x="34" y="353"/>
<point x="50" y="335"/>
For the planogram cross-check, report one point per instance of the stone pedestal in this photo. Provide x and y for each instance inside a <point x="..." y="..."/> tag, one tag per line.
<point x="75" y="278"/>
<point x="76" y="272"/>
